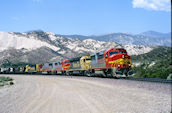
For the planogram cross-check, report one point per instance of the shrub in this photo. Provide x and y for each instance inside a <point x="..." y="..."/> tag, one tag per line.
<point x="1" y="84"/>
<point x="11" y="83"/>
<point x="5" y="81"/>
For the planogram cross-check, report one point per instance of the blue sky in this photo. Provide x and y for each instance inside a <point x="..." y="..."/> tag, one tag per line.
<point x="85" y="17"/>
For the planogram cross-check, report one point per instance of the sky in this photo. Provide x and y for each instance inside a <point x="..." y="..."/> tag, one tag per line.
<point x="85" y="17"/>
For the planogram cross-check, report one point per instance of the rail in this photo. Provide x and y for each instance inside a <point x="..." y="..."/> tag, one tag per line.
<point x="149" y="79"/>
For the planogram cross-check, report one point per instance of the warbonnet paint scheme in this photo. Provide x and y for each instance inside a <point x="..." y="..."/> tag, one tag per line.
<point x="110" y="63"/>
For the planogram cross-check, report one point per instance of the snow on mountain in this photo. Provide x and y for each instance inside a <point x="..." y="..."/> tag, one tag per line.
<point x="137" y="49"/>
<point x="11" y="40"/>
<point x="52" y="36"/>
<point x="39" y="46"/>
<point x="89" y="45"/>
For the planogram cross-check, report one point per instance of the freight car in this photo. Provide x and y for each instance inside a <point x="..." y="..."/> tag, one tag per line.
<point x="4" y="70"/>
<point x="12" y="70"/>
<point x="19" y="70"/>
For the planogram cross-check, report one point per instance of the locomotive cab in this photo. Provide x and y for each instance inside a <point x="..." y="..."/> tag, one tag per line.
<point x="33" y="68"/>
<point x="118" y="61"/>
<point x="117" y="58"/>
<point x="65" y="66"/>
<point x="85" y="62"/>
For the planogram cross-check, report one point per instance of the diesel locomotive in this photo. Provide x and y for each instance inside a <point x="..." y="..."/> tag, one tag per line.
<point x="110" y="63"/>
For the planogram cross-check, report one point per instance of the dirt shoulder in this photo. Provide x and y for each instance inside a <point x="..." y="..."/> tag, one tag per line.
<point x="61" y="94"/>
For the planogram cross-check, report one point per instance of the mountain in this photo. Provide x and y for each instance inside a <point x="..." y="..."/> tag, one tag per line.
<point x="149" y="38"/>
<point x="39" y="47"/>
<point x="155" y="34"/>
<point x="81" y="37"/>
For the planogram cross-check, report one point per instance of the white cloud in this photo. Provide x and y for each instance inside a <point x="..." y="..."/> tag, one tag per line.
<point x="158" y="5"/>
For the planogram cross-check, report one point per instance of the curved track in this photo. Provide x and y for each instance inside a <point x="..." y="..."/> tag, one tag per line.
<point x="66" y="94"/>
<point x="148" y="79"/>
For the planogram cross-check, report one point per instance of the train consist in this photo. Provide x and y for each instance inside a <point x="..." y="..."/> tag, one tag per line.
<point x="112" y="63"/>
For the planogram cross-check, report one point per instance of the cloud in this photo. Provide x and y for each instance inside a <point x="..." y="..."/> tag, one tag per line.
<point x="158" y="5"/>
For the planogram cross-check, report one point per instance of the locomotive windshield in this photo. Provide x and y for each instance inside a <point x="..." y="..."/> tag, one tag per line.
<point x="88" y="58"/>
<point x="66" y="62"/>
<point x="113" y="52"/>
<point x="122" y="51"/>
<point x="116" y="52"/>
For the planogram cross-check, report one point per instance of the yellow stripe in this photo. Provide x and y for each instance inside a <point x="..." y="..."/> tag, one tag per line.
<point x="120" y="61"/>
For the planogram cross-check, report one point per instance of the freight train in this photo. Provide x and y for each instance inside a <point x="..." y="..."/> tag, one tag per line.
<point x="109" y="63"/>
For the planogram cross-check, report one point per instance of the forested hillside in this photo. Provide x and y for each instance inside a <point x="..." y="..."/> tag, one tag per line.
<point x="155" y="64"/>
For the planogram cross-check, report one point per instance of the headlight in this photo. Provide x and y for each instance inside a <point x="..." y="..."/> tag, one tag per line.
<point x="122" y="56"/>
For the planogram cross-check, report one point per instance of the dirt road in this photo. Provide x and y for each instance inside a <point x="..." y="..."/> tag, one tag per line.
<point x="63" y="94"/>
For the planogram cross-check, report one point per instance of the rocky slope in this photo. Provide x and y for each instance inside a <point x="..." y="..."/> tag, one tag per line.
<point x="39" y="46"/>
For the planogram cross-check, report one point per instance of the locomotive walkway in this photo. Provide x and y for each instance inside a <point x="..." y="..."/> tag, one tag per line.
<point x="66" y="94"/>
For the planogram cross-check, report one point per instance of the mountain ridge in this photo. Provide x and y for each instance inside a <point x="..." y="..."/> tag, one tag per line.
<point x="31" y="46"/>
<point x="148" y="38"/>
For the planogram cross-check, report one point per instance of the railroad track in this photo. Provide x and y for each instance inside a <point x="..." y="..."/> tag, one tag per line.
<point x="148" y="79"/>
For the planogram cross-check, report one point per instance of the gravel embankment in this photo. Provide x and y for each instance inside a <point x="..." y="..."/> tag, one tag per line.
<point x="64" y="94"/>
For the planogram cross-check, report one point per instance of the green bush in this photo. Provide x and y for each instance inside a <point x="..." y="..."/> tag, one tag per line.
<point x="162" y="67"/>
<point x="11" y="83"/>
<point x="1" y="84"/>
<point x="5" y="81"/>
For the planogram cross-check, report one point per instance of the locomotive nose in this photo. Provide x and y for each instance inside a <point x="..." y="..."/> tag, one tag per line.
<point x="112" y="56"/>
<point x="118" y="56"/>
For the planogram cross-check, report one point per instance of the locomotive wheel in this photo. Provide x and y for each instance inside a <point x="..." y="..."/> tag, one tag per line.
<point x="125" y="73"/>
<point x="87" y="73"/>
<point x="105" y="73"/>
<point x="113" y="72"/>
<point x="63" y="73"/>
<point x="81" y="73"/>
<point x="67" y="73"/>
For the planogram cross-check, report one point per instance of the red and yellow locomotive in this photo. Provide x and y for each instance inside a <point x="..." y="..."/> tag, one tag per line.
<point x="111" y="62"/>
